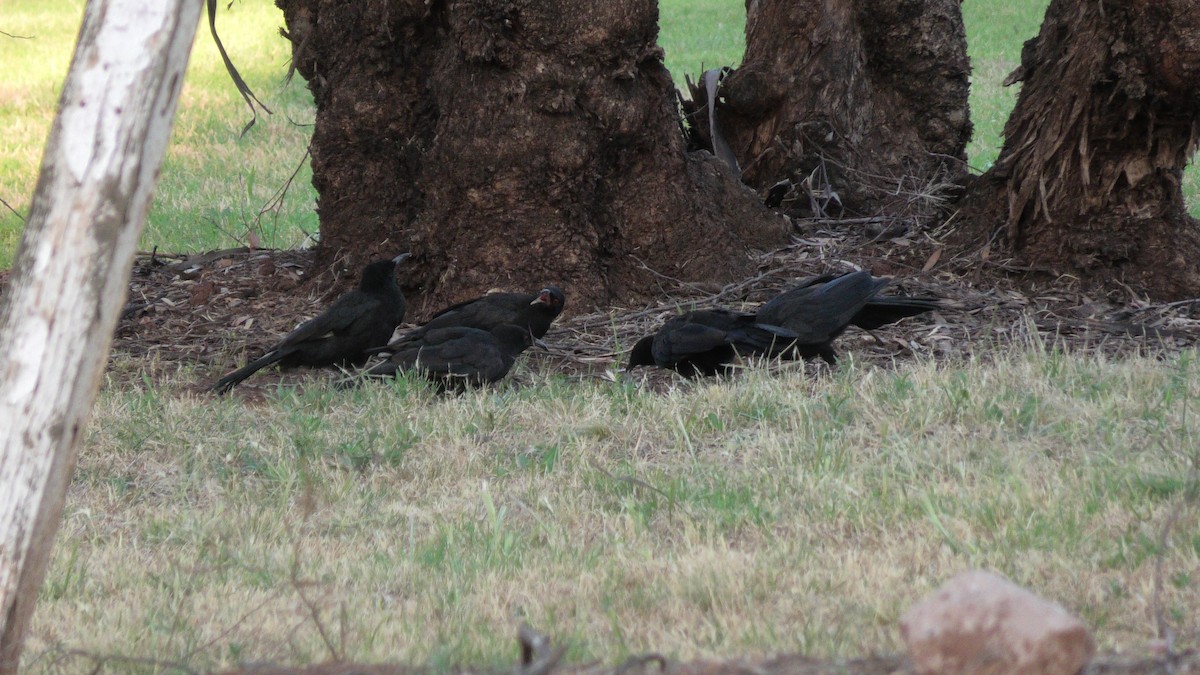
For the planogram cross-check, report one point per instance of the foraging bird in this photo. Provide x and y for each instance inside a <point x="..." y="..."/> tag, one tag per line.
<point x="360" y="320"/>
<point x="535" y="313"/>
<point x="707" y="342"/>
<point x="819" y="309"/>
<point x="458" y="356"/>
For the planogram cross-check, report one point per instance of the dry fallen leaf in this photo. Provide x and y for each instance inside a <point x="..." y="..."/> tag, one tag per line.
<point x="933" y="259"/>
<point x="201" y="293"/>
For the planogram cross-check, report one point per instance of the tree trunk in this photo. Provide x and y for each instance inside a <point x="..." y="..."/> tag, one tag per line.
<point x="72" y="271"/>
<point x="513" y="143"/>
<point x="1088" y="180"/>
<point x="863" y="98"/>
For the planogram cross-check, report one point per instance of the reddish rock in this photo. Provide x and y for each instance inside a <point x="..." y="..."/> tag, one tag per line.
<point x="980" y="622"/>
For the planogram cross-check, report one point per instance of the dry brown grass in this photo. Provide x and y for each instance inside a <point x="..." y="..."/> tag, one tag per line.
<point x="772" y="513"/>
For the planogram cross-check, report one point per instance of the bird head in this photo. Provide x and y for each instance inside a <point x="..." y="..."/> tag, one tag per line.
<point x="551" y="297"/>
<point x="642" y="353"/>
<point x="380" y="272"/>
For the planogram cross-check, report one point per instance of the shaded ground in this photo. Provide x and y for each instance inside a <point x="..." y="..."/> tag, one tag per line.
<point x="205" y="313"/>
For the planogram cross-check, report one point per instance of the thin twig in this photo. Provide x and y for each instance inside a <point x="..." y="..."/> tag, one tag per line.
<point x="102" y="659"/>
<point x="10" y="208"/>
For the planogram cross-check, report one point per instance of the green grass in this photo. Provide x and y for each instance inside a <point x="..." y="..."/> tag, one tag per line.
<point x="696" y="36"/>
<point x="214" y="181"/>
<point x="768" y="514"/>
<point x="995" y="34"/>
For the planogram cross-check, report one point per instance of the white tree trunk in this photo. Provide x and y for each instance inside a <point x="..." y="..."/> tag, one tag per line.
<point x="72" y="270"/>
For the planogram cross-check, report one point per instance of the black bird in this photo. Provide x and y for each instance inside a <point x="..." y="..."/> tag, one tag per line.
<point x="707" y="342"/>
<point x="821" y="308"/>
<point x="341" y="335"/>
<point x="458" y="356"/>
<point x="535" y="313"/>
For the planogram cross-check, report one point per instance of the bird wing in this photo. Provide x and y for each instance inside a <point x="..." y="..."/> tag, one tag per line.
<point x="761" y="338"/>
<point x="339" y="317"/>
<point x="711" y="328"/>
<point x="818" y="313"/>
<point x="883" y="311"/>
<point x="456" y="351"/>
<point x="467" y="358"/>
<point x="676" y="343"/>
<point x="817" y="280"/>
<point x="482" y="312"/>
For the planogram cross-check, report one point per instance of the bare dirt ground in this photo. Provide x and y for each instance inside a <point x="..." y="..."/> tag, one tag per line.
<point x="202" y="314"/>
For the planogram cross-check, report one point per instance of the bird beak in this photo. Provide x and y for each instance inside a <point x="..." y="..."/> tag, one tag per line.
<point x="401" y="258"/>
<point x="543" y="298"/>
<point x="537" y="342"/>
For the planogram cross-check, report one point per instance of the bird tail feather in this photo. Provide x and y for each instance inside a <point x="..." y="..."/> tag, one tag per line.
<point x="883" y="311"/>
<point x="231" y="380"/>
<point x="385" y="369"/>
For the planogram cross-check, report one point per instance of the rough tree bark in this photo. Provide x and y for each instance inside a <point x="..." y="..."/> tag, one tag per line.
<point x="72" y="271"/>
<point x="513" y="143"/>
<point x="1088" y="180"/>
<point x="868" y="97"/>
